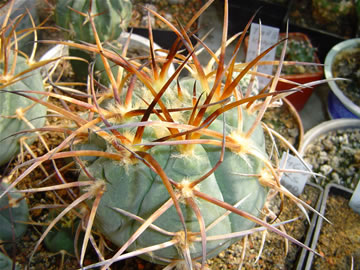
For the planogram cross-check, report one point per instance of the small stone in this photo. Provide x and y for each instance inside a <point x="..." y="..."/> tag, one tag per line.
<point x="350" y="171"/>
<point x="338" y="151"/>
<point x="335" y="162"/>
<point x="328" y="144"/>
<point x="294" y="132"/>
<point x="335" y="177"/>
<point x="34" y="237"/>
<point x="326" y="169"/>
<point x="357" y="156"/>
<point x="323" y="157"/>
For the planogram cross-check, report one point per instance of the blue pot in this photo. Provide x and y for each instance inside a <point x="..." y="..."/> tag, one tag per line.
<point x="339" y="105"/>
<point x="337" y="109"/>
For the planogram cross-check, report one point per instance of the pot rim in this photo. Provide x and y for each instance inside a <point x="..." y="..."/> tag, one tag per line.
<point x="61" y="50"/>
<point x="347" y="44"/>
<point x="298" y="120"/>
<point x="326" y="127"/>
<point x="329" y="187"/>
<point x="146" y="43"/>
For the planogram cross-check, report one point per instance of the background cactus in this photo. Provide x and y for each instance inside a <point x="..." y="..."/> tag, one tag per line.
<point x="6" y="263"/>
<point x="19" y="73"/>
<point x="14" y="213"/>
<point x="10" y="122"/>
<point x="111" y="17"/>
<point x="62" y="237"/>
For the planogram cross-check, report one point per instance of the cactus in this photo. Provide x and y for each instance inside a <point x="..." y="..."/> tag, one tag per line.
<point x="10" y="122"/>
<point x="62" y="237"/>
<point x="13" y="213"/>
<point x="19" y="73"/>
<point x="173" y="170"/>
<point x="111" y="17"/>
<point x="224" y="184"/>
<point x="6" y="263"/>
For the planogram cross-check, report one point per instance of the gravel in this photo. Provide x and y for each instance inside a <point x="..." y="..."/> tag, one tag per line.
<point x="336" y="155"/>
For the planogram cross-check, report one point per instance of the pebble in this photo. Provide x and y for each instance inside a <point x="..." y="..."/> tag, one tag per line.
<point x="326" y="169"/>
<point x="336" y="155"/>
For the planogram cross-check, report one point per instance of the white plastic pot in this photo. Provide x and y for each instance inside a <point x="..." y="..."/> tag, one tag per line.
<point x="137" y="42"/>
<point x="325" y="127"/>
<point x="140" y="42"/>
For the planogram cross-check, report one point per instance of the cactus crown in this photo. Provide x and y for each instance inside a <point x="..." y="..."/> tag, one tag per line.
<point x="172" y="168"/>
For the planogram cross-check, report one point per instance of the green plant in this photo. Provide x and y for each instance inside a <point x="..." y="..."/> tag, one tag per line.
<point x="6" y="263"/>
<point x="62" y="237"/>
<point x="15" y="110"/>
<point x="333" y="7"/>
<point x="328" y="11"/>
<point x="300" y="50"/>
<point x="171" y="169"/>
<point x="14" y="213"/>
<point x="18" y="72"/>
<point x="111" y="17"/>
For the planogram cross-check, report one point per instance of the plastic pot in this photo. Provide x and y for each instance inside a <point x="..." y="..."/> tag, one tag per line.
<point x="310" y="231"/>
<point x="299" y="99"/>
<point x="137" y="42"/>
<point x="339" y="105"/>
<point x="342" y="254"/>
<point x="325" y="127"/>
<point x="333" y="156"/>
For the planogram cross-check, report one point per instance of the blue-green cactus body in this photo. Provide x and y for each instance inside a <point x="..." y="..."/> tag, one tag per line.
<point x="12" y="220"/>
<point x="113" y="17"/>
<point x="139" y="190"/>
<point x="62" y="236"/>
<point x="6" y="263"/>
<point x="9" y="124"/>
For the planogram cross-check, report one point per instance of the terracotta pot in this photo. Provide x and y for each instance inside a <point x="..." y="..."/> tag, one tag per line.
<point x="298" y="99"/>
<point x="297" y="117"/>
<point x="297" y="120"/>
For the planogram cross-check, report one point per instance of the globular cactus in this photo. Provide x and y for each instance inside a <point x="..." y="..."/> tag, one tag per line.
<point x="171" y="169"/>
<point x="14" y="109"/>
<point x="111" y="17"/>
<point x="136" y="189"/>
<point x="19" y="73"/>
<point x="181" y="165"/>
<point x="14" y="214"/>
